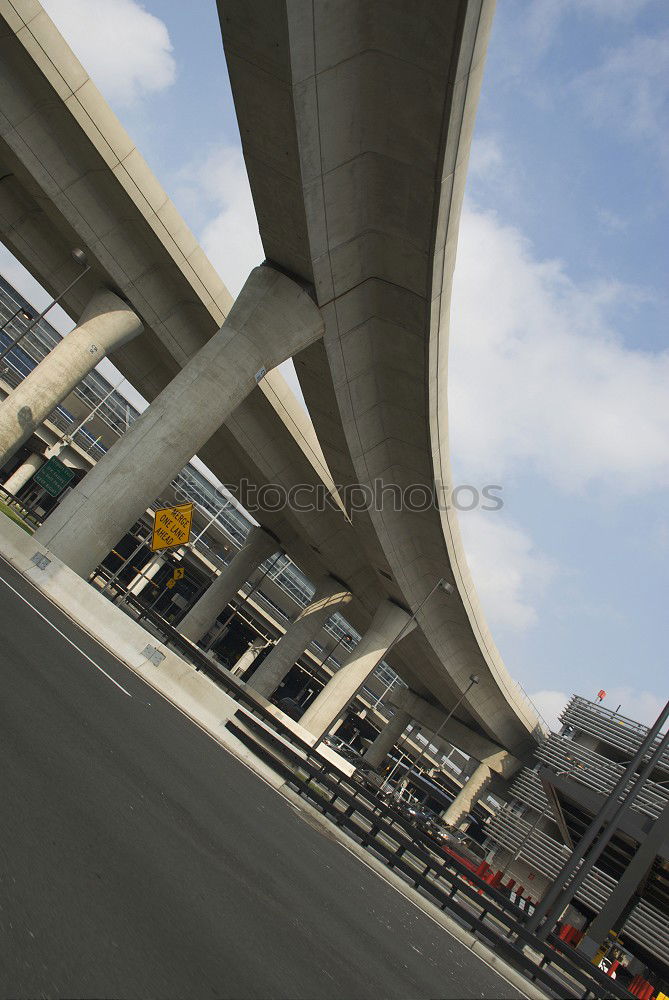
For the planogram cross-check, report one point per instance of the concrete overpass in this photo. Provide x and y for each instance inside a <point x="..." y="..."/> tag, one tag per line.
<point x="363" y="121"/>
<point x="356" y="134"/>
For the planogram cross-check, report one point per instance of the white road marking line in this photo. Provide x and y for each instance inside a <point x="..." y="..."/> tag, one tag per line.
<point x="65" y="637"/>
<point x="397" y="888"/>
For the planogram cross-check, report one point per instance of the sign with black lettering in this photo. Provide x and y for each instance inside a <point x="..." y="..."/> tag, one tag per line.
<point x="171" y="526"/>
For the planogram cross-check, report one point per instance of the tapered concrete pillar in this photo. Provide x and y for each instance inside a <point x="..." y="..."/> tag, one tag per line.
<point x="330" y="596"/>
<point x="468" y="795"/>
<point x="24" y="473"/>
<point x="387" y="738"/>
<point x="259" y="545"/>
<point x="248" y="658"/>
<point x="146" y="573"/>
<point x="106" y="324"/>
<point x="386" y="625"/>
<point x="272" y="319"/>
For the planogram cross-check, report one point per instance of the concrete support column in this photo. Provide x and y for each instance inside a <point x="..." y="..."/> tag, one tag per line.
<point x="248" y="658"/>
<point x="468" y="795"/>
<point x="386" y="625"/>
<point x="387" y="738"/>
<point x="146" y="573"/>
<point x="329" y="597"/>
<point x="106" y="324"/>
<point x="259" y="545"/>
<point x="272" y="319"/>
<point x="24" y="473"/>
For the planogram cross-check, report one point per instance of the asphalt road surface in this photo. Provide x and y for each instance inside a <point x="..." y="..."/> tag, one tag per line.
<point x="140" y="859"/>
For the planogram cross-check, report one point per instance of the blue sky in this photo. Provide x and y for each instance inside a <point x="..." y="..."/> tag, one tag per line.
<point x="560" y="360"/>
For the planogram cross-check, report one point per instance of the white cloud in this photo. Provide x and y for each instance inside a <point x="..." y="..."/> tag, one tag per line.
<point x="486" y="158"/>
<point x="611" y="222"/>
<point x="550" y="704"/>
<point x="509" y="573"/>
<point x="219" y="189"/>
<point x="125" y="50"/>
<point x="541" y="19"/>
<point x="539" y="379"/>
<point x="629" y="90"/>
<point x="641" y="706"/>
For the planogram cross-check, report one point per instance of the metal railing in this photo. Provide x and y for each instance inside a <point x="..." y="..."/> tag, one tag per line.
<point x="380" y="829"/>
<point x="646" y="924"/>
<point x="598" y="773"/>
<point x="611" y="728"/>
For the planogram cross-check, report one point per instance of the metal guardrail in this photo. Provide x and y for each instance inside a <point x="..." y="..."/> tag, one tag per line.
<point x="112" y="409"/>
<point x="450" y="885"/>
<point x="646" y="924"/>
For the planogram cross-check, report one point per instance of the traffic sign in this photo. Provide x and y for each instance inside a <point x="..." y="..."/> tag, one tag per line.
<point x="171" y="526"/>
<point x="53" y="476"/>
<point x="179" y="573"/>
<point x="170" y="583"/>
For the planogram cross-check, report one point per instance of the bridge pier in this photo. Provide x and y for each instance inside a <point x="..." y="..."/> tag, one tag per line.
<point x="329" y="597"/>
<point x="105" y="325"/>
<point x="387" y="738"/>
<point x="147" y="572"/>
<point x="248" y="658"/>
<point x="24" y="473"/>
<point x="468" y="795"/>
<point x="259" y="545"/>
<point x="386" y="625"/>
<point x="272" y="319"/>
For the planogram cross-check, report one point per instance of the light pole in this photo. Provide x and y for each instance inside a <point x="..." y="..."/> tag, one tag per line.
<point x="445" y="586"/>
<point x="80" y="258"/>
<point x="473" y="679"/>
<point x="567" y="770"/>
<point x="212" y="520"/>
<point x="387" y="689"/>
<point x="245" y="599"/>
<point x="342" y="638"/>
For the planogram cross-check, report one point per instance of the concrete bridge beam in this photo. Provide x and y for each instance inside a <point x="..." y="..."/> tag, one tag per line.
<point x="259" y="545"/>
<point x="386" y="625"/>
<point x="329" y="597"/>
<point x="105" y="325"/>
<point x="272" y="319"/>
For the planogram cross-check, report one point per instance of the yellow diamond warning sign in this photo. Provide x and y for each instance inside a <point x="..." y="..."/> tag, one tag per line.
<point x="171" y="526"/>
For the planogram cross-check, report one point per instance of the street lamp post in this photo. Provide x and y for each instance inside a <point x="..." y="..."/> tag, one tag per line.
<point x="245" y="599"/>
<point x="445" y="586"/>
<point x="345" y="637"/>
<point x="473" y="679"/>
<point x="567" y="770"/>
<point x="80" y="258"/>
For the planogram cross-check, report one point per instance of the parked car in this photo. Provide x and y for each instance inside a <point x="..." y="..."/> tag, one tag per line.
<point x="344" y="749"/>
<point x="422" y="817"/>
